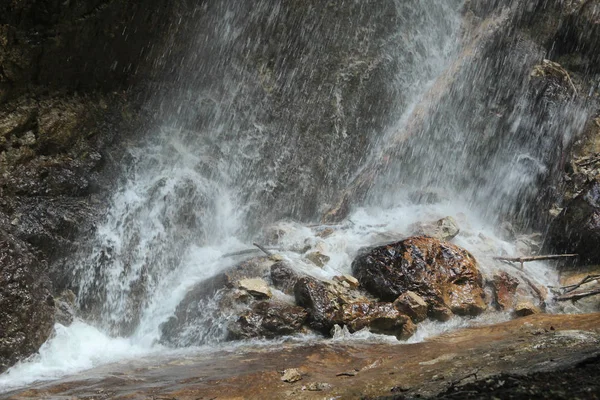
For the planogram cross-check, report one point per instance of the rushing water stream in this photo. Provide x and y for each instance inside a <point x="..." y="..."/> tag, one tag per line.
<point x="254" y="133"/>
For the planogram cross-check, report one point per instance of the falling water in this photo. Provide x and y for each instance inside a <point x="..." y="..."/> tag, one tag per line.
<point x="270" y="111"/>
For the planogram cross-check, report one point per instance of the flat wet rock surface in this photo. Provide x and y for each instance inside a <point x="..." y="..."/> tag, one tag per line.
<point x="331" y="369"/>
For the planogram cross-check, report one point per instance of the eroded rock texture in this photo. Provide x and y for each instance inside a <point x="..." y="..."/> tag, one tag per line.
<point x="26" y="302"/>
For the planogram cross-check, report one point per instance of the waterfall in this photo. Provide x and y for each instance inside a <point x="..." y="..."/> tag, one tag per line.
<point x="218" y="165"/>
<point x="271" y="110"/>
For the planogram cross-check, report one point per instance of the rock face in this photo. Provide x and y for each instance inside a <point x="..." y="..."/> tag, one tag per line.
<point x="26" y="303"/>
<point x="444" y="275"/>
<point x="268" y="319"/>
<point x="577" y="227"/>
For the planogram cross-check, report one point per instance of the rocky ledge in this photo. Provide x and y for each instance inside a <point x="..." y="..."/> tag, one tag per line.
<point x="445" y="365"/>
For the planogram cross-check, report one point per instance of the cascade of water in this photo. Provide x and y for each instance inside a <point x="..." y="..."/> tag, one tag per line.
<point x="272" y="108"/>
<point x="200" y="179"/>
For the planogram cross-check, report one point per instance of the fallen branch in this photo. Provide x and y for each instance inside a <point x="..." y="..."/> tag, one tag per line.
<point x="240" y="253"/>
<point x="589" y="278"/>
<point x="534" y="287"/>
<point x="263" y="249"/>
<point x="535" y="258"/>
<point x="574" y="296"/>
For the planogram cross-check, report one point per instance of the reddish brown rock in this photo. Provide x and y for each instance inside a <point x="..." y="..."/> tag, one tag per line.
<point x="504" y="288"/>
<point x="379" y="318"/>
<point x="443" y="274"/>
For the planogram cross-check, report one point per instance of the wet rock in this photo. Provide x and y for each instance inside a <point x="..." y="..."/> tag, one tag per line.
<point x="256" y="287"/>
<point x="443" y="229"/>
<point x="284" y="277"/>
<point x="291" y="375"/>
<point x="318" y="258"/>
<point x="379" y="318"/>
<point x="524" y="309"/>
<point x="65" y="308"/>
<point x="338" y="212"/>
<point x="577" y="227"/>
<point x="413" y="305"/>
<point x="443" y="274"/>
<point x="323" y="305"/>
<point x="351" y="281"/>
<point x="504" y="289"/>
<point x="268" y="320"/>
<point x="203" y="313"/>
<point x="26" y="303"/>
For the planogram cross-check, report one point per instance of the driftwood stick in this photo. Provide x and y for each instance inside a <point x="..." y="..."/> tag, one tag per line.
<point x="240" y="253"/>
<point x="536" y="258"/>
<point x="577" y="295"/>
<point x="263" y="249"/>
<point x="589" y="278"/>
<point x="534" y="287"/>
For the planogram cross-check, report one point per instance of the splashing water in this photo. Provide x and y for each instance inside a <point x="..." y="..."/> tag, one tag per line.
<point x="241" y="146"/>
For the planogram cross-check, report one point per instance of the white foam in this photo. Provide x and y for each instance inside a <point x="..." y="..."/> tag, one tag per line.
<point x="73" y="349"/>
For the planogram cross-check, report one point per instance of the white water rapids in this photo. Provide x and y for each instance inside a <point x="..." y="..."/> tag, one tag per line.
<point x="190" y="194"/>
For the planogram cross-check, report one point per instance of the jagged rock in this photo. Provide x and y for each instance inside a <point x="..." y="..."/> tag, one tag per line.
<point x="443" y="229"/>
<point x="504" y="289"/>
<point x="291" y="375"/>
<point x="351" y="281"/>
<point x="413" y="305"/>
<point x="379" y="318"/>
<point x="284" y="277"/>
<point x="65" y="308"/>
<point x="318" y="258"/>
<point x="268" y="320"/>
<point x="324" y="306"/>
<point x="256" y="287"/>
<point x="524" y="309"/>
<point x="577" y="227"/>
<point x="443" y="274"/>
<point x="26" y="303"/>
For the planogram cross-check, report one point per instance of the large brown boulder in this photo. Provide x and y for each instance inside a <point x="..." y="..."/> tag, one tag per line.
<point x="26" y="303"/>
<point x="444" y="275"/>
